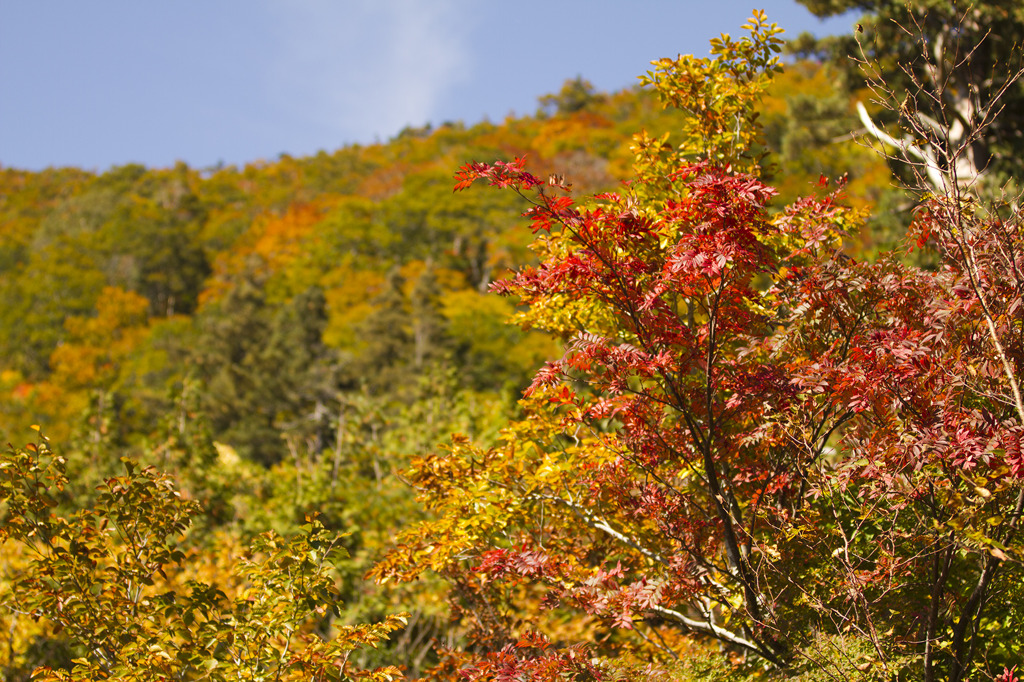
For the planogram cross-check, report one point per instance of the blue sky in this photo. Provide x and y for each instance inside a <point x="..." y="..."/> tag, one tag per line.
<point x="98" y="83"/>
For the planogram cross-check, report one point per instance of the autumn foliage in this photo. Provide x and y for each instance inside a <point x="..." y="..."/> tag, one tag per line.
<point x="763" y="447"/>
<point x="751" y="438"/>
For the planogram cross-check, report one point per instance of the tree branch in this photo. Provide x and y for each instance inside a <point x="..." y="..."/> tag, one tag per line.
<point x="708" y="627"/>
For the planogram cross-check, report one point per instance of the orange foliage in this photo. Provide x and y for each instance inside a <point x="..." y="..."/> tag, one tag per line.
<point x="384" y="182"/>
<point x="582" y="130"/>
<point x="269" y="244"/>
<point x="96" y="345"/>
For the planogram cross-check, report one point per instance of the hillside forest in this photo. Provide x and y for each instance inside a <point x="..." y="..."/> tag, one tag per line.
<point x="712" y="378"/>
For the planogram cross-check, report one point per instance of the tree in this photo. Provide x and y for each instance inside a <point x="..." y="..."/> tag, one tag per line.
<point x="92" y="365"/>
<point x="751" y="439"/>
<point x="264" y="368"/>
<point x="575" y="96"/>
<point x="949" y="72"/>
<point x="428" y="325"/>
<point x="153" y="241"/>
<point x="114" y="578"/>
<point x="388" y="339"/>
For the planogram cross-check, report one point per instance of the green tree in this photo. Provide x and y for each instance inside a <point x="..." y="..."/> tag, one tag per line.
<point x="154" y="241"/>
<point x="265" y="369"/>
<point x="428" y="324"/>
<point x="576" y="95"/>
<point x="387" y="345"/>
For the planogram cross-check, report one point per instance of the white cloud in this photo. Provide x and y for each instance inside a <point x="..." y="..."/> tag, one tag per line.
<point x="365" y="68"/>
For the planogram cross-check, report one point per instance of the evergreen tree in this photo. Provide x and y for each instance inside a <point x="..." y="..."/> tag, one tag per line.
<point x="265" y="369"/>
<point x="387" y="336"/>
<point x="948" y="71"/>
<point x="239" y="392"/>
<point x="428" y="324"/>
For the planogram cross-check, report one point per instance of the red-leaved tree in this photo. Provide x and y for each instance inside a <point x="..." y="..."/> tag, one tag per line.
<point x="754" y="445"/>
